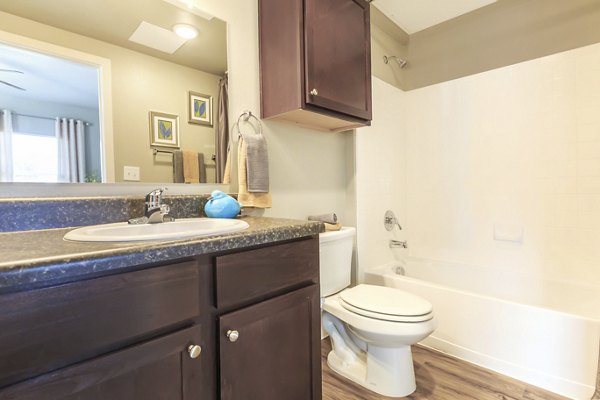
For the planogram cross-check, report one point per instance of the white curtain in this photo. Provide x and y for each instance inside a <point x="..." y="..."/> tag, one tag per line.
<point x="6" y="159"/>
<point x="70" y="136"/>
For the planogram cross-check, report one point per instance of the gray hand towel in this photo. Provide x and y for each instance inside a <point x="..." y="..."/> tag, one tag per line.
<point x="178" y="167"/>
<point x="257" y="163"/>
<point x="202" y="167"/>
<point x="330" y="218"/>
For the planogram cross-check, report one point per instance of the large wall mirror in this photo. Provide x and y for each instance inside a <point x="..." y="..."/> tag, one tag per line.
<point x="111" y="91"/>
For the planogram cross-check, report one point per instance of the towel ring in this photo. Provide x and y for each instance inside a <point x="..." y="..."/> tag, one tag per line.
<point x="245" y="116"/>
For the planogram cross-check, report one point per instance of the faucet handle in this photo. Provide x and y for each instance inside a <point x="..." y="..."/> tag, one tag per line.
<point x="154" y="199"/>
<point x="390" y="221"/>
<point x="154" y="210"/>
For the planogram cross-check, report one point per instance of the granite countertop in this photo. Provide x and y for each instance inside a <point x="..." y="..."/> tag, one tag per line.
<point x="42" y="257"/>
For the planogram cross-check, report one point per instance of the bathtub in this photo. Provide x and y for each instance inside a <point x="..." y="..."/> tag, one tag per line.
<point x="542" y="332"/>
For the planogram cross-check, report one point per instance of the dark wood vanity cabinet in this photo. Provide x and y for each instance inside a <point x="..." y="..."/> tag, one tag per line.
<point x="159" y="369"/>
<point x="269" y="330"/>
<point x="272" y="342"/>
<point x="162" y="332"/>
<point x="315" y="62"/>
<point x="123" y="336"/>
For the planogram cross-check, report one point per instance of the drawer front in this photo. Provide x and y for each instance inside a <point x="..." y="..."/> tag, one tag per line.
<point x="255" y="274"/>
<point x="155" y="370"/>
<point x="46" y="329"/>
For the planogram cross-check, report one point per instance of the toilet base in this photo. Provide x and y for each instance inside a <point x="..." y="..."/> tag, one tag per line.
<point x="385" y="370"/>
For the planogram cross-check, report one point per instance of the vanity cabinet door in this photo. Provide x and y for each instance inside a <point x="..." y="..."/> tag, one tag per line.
<point x="47" y="329"/>
<point x="271" y="350"/>
<point x="160" y="369"/>
<point x="338" y="67"/>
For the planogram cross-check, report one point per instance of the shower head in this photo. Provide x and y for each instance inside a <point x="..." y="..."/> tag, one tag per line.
<point x="402" y="63"/>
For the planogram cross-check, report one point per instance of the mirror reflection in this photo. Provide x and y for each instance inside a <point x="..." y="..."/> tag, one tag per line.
<point x="111" y="91"/>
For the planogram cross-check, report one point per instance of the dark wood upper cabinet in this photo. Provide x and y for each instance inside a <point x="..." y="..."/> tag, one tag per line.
<point x="315" y="59"/>
<point x="337" y="56"/>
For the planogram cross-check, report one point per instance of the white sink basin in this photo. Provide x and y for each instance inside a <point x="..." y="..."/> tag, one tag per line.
<point x="178" y="229"/>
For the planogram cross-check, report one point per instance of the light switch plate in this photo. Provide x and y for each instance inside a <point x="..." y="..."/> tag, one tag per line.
<point x="131" y="173"/>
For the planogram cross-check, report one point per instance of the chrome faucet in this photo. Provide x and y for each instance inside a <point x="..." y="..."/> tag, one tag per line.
<point x="390" y="221"/>
<point x="154" y="210"/>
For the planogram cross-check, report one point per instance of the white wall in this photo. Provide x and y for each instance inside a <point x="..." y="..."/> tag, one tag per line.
<point x="516" y="146"/>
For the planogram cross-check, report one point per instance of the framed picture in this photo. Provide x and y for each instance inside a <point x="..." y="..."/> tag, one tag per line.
<point x="164" y="129"/>
<point x="200" y="109"/>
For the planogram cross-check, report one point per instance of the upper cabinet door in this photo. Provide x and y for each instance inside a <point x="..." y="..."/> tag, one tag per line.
<point x="337" y="47"/>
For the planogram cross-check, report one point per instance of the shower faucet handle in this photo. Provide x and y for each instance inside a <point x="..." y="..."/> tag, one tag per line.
<point x="390" y="221"/>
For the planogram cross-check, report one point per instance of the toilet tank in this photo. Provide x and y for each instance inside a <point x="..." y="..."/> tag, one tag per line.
<point x="335" y="256"/>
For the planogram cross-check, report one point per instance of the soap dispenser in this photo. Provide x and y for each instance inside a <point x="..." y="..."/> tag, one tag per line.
<point x="221" y="205"/>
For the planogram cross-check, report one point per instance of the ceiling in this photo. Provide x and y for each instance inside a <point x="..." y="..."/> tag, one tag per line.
<point x="114" y="21"/>
<point x="415" y="15"/>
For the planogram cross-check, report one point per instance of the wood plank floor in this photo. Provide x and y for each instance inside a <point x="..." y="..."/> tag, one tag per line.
<point x="439" y="377"/>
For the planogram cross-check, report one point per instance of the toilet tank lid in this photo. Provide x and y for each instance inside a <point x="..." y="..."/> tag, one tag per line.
<point x="346" y="231"/>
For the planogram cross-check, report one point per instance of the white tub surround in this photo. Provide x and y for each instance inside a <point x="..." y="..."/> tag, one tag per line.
<point x="499" y="171"/>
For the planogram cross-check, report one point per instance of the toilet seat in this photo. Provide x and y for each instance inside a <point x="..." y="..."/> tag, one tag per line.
<point x="387" y="304"/>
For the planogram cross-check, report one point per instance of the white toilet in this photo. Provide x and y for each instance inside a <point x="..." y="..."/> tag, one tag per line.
<point x="371" y="327"/>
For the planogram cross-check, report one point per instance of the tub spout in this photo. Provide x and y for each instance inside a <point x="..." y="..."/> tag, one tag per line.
<point x="394" y="244"/>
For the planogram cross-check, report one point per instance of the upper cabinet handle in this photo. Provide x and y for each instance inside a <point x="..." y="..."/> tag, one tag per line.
<point x="314" y="92"/>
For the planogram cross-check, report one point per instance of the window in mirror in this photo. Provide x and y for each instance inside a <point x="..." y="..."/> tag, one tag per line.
<point x="35" y="158"/>
<point x="50" y="118"/>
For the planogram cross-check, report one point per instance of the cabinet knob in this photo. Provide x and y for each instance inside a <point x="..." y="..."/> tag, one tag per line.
<point x="314" y="92"/>
<point x="233" y="335"/>
<point x="194" y="350"/>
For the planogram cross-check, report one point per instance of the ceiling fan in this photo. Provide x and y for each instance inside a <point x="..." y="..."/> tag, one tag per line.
<point x="10" y="84"/>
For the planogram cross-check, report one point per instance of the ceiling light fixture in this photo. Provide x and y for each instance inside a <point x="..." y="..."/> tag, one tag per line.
<point x="185" y="31"/>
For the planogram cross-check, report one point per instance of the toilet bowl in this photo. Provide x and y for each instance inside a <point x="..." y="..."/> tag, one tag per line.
<point x="371" y="327"/>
